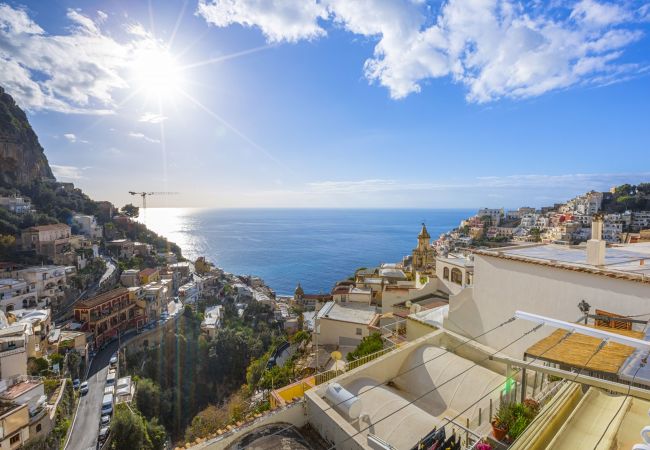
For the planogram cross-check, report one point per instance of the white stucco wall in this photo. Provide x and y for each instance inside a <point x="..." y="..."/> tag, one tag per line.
<point x="331" y="330"/>
<point x="503" y="286"/>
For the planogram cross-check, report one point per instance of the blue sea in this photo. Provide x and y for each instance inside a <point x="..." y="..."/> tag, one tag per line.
<point x="315" y="247"/>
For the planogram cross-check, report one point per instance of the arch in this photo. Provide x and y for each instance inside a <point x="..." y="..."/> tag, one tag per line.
<point x="9" y="308"/>
<point x="456" y="276"/>
<point x="445" y="273"/>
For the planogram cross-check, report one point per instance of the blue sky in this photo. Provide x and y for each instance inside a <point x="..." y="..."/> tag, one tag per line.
<point x="306" y="103"/>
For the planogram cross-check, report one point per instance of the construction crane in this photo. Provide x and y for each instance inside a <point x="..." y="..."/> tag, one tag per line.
<point x="145" y="194"/>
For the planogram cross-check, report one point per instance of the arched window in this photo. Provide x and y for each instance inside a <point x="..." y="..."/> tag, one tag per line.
<point x="456" y="276"/>
<point x="10" y="308"/>
<point x="445" y="273"/>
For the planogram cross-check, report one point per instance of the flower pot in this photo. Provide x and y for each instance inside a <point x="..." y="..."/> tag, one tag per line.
<point x="499" y="433"/>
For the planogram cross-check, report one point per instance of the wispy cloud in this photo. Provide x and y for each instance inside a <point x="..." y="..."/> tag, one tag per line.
<point x="525" y="181"/>
<point x="152" y="118"/>
<point x="68" y="172"/>
<point x="142" y="136"/>
<point x="71" y="137"/>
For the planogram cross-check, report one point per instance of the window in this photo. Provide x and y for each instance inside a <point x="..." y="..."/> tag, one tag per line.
<point x="358" y="331"/>
<point x="38" y="427"/>
<point x="445" y="273"/>
<point x="456" y="276"/>
<point x="15" y="438"/>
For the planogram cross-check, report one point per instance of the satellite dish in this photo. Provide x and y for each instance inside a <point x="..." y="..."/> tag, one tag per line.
<point x="336" y="355"/>
<point x="408" y="303"/>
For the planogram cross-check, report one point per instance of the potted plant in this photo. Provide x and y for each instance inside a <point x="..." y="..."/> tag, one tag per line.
<point x="501" y="420"/>
<point x="512" y="419"/>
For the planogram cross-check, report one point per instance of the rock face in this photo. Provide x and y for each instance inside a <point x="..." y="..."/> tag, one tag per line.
<point x="21" y="156"/>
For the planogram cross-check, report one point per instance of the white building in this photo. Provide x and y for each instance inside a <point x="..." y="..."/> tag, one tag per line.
<point x="17" y="294"/>
<point x="189" y="293"/>
<point x="640" y="220"/>
<point x="16" y="205"/>
<point x="612" y="231"/>
<point x="212" y="320"/>
<point x="50" y="282"/>
<point x="88" y="226"/>
<point x="550" y="280"/>
<point x="529" y="220"/>
<point x="495" y="214"/>
<point x="344" y="325"/>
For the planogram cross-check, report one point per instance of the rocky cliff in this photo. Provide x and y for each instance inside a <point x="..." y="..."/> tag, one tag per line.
<point x="22" y="160"/>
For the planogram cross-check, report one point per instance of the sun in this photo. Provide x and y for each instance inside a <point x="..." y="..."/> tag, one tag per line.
<point x="156" y="72"/>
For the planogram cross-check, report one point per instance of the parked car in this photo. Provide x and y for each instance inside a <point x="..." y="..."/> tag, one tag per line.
<point x="76" y="383"/>
<point x="83" y="389"/>
<point x="114" y="359"/>
<point x="107" y="405"/>
<point x="103" y="434"/>
<point x="105" y="420"/>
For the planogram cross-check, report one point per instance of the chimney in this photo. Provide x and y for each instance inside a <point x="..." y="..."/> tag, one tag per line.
<point x="596" y="246"/>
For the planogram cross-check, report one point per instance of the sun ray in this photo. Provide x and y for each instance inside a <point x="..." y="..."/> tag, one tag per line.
<point x="227" y="57"/>
<point x="177" y="25"/>
<point x="163" y="144"/>
<point x="234" y="129"/>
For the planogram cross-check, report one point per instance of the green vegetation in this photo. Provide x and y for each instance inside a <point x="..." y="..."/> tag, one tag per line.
<point x="369" y="344"/>
<point x="515" y="417"/>
<point x="130" y="430"/>
<point x="189" y="372"/>
<point x="130" y="210"/>
<point x="628" y="197"/>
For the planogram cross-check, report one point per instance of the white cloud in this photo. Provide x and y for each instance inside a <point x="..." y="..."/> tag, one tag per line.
<point x="152" y="118"/>
<point x="142" y="136"/>
<point x="279" y="20"/>
<point x="68" y="172"/>
<point x="71" y="137"/>
<point x="496" y="48"/>
<point x="79" y="70"/>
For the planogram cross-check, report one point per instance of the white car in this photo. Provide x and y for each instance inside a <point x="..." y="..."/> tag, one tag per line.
<point x="105" y="421"/>
<point x="83" y="389"/>
<point x="103" y="433"/>
<point x="113" y="359"/>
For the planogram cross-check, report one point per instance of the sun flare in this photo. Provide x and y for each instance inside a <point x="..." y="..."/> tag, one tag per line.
<point x="156" y="72"/>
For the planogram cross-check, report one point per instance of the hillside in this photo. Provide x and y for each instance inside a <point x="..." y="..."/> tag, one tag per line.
<point x="24" y="170"/>
<point x="22" y="159"/>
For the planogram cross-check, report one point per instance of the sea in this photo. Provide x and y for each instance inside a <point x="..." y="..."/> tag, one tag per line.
<point x="314" y="247"/>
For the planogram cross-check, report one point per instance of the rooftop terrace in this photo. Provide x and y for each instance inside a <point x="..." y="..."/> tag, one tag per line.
<point x="623" y="261"/>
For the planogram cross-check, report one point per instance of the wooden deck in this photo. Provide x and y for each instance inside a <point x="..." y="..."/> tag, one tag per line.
<point x="577" y="348"/>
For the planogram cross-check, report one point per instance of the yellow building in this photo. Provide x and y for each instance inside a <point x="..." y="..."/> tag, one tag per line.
<point x="149" y="276"/>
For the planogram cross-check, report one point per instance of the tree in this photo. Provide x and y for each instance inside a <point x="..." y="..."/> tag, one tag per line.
<point x="157" y="434"/>
<point x="130" y="210"/>
<point x="73" y="363"/>
<point x="128" y="430"/>
<point x="35" y="366"/>
<point x="147" y="398"/>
